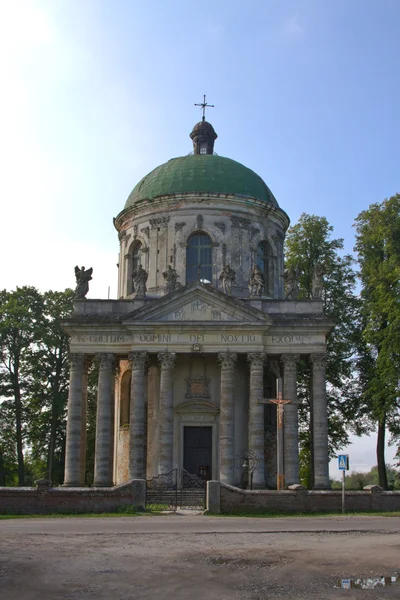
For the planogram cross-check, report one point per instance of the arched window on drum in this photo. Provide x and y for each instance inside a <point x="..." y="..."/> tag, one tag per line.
<point x="134" y="259"/>
<point x="199" y="258"/>
<point x="265" y="261"/>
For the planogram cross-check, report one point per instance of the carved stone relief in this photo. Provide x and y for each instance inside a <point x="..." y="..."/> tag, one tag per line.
<point x="240" y="222"/>
<point x="221" y="226"/>
<point x="179" y="226"/>
<point x="159" y="222"/>
<point x="197" y="387"/>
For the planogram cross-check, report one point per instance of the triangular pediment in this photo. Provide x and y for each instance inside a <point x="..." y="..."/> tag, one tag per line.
<point x="197" y="302"/>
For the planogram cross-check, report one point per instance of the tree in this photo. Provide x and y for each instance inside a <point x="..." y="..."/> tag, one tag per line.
<point x="309" y="243"/>
<point x="47" y="392"/>
<point x="378" y="248"/>
<point x="20" y="315"/>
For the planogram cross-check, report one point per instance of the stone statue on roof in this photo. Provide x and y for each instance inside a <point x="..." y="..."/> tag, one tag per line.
<point x="227" y="277"/>
<point x="82" y="277"/>
<point x="257" y="281"/>
<point x="139" y="279"/>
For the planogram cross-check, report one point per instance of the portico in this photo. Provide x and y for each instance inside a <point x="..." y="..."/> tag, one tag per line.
<point x="205" y="372"/>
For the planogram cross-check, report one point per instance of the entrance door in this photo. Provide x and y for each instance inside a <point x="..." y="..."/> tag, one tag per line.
<point x="197" y="451"/>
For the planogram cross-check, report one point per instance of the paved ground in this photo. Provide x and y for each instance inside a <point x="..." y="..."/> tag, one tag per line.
<point x="195" y="557"/>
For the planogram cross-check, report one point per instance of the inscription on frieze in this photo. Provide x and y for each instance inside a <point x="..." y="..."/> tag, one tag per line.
<point x="101" y="339"/>
<point x="291" y="339"/>
<point x="197" y="338"/>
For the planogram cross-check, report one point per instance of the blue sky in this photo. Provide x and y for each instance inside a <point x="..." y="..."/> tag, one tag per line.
<point x="97" y="93"/>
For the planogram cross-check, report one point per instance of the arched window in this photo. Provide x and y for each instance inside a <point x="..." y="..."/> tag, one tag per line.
<point x="199" y="258"/>
<point x="264" y="260"/>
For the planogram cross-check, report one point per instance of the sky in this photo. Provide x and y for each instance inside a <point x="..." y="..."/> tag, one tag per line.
<point x="95" y="94"/>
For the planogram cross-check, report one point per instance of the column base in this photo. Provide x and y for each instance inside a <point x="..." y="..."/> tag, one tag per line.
<point x="321" y="486"/>
<point x="101" y="485"/>
<point x="73" y="485"/>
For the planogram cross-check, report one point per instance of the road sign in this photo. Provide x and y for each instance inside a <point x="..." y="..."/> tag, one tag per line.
<point x="343" y="462"/>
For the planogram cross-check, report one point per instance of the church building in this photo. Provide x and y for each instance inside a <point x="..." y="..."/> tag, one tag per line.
<point x="207" y="321"/>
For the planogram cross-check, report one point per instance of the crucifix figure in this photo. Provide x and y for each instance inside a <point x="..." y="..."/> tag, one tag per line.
<point x="280" y="403"/>
<point x="204" y="105"/>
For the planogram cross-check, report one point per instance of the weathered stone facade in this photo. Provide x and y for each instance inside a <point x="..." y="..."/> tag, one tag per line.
<point x="182" y="350"/>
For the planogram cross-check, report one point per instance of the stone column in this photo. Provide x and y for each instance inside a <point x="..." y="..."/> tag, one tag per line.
<point x="226" y="425"/>
<point x="137" y="468"/>
<point x="291" y="419"/>
<point x="166" y="429"/>
<point x="104" y="422"/>
<point x="72" y="475"/>
<point x="86" y="365"/>
<point x="320" y="422"/>
<point x="256" y="415"/>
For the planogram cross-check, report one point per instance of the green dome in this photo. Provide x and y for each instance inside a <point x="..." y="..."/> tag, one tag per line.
<point x="198" y="173"/>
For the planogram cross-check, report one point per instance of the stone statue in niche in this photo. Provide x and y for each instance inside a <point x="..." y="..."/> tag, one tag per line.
<point x="227" y="277"/>
<point x="171" y="279"/>
<point x="317" y="282"/>
<point x="82" y="281"/>
<point x="291" y="278"/>
<point x="257" y="281"/>
<point x="139" y="279"/>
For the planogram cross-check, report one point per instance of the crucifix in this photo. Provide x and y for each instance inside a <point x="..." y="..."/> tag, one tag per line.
<point x="280" y="403"/>
<point x="204" y="105"/>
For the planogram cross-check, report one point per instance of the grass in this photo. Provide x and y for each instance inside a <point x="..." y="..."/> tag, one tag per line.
<point x="287" y="515"/>
<point x="123" y="511"/>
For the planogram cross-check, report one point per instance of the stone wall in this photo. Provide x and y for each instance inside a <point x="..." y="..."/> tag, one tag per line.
<point x="301" y="500"/>
<point x="46" y="500"/>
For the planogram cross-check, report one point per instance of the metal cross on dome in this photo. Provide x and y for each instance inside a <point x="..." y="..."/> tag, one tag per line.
<point x="204" y="105"/>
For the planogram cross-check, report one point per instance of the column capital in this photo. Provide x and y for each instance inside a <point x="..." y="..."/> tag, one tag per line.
<point x="256" y="359"/>
<point x="76" y="360"/>
<point x="106" y="360"/>
<point x="227" y="359"/>
<point x="138" y="359"/>
<point x="289" y="361"/>
<point x="167" y="360"/>
<point x="318" y="361"/>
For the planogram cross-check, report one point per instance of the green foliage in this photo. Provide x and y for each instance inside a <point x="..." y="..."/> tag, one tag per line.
<point x="33" y="384"/>
<point x="309" y="243"/>
<point x="358" y="480"/>
<point x="378" y="248"/>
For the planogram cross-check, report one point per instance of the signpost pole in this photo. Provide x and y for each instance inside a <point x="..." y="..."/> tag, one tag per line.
<point x="344" y="465"/>
<point x="343" y="490"/>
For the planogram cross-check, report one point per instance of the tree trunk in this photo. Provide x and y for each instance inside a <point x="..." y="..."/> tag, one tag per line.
<point x="18" y="428"/>
<point x="2" y="470"/>
<point x="380" y="453"/>
<point x="55" y="410"/>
